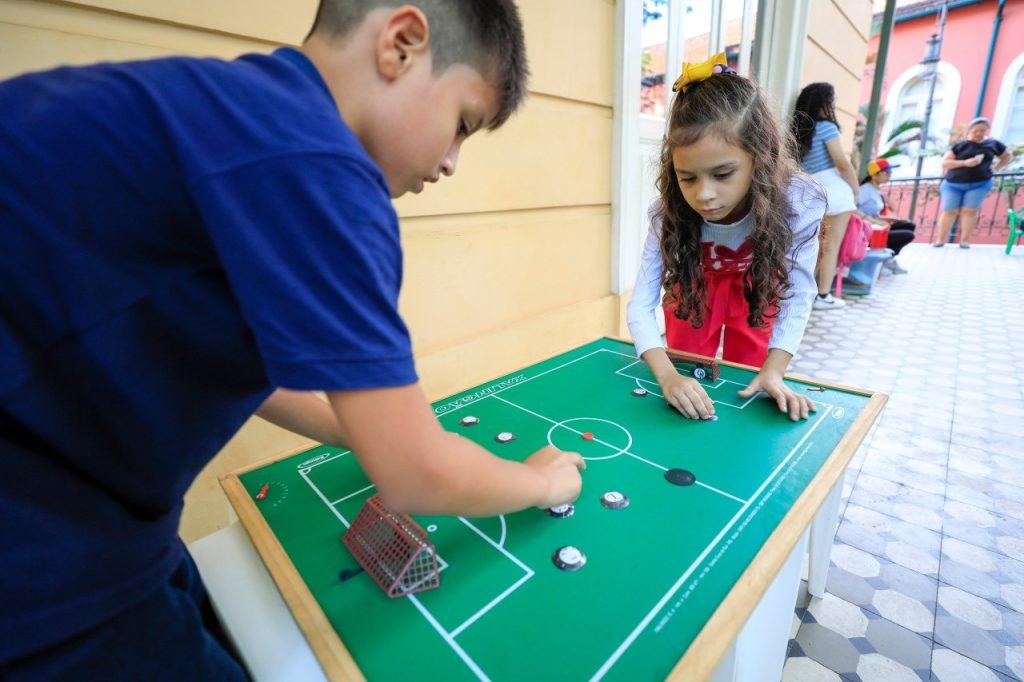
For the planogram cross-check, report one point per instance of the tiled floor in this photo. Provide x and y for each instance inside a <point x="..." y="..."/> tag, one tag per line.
<point x="927" y="575"/>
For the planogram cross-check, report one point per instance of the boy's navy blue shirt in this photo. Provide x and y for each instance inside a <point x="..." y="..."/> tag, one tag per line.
<point x="179" y="236"/>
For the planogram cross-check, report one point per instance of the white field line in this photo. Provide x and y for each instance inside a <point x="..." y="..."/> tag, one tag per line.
<point x="707" y="550"/>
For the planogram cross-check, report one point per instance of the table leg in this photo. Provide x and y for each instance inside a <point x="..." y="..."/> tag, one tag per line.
<point x="761" y="645"/>
<point x="823" y="533"/>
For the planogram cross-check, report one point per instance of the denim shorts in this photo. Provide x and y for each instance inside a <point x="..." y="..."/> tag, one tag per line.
<point x="956" y="195"/>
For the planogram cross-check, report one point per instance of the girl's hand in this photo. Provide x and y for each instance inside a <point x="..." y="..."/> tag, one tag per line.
<point x="687" y="395"/>
<point x="798" y="406"/>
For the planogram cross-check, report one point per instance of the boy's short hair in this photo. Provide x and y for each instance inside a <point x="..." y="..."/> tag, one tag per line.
<point x="485" y="35"/>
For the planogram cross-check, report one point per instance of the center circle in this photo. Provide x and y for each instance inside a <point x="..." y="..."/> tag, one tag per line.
<point x="607" y="435"/>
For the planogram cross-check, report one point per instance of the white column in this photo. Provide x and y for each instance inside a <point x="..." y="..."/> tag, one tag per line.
<point x="781" y="35"/>
<point x="626" y="209"/>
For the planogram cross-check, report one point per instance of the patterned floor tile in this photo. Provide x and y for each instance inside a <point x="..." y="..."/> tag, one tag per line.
<point x="803" y="669"/>
<point x="899" y="594"/>
<point x="901" y="501"/>
<point x="903" y="444"/>
<point x="909" y="545"/>
<point x="990" y="441"/>
<point x="949" y="666"/>
<point x="980" y="630"/>
<point x="984" y="528"/>
<point x="992" y="465"/>
<point x="927" y="476"/>
<point x="933" y="427"/>
<point x="859" y="644"/>
<point x="986" y="492"/>
<point x="981" y="572"/>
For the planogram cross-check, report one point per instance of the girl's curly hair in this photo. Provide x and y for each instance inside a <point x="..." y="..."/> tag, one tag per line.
<point x="736" y="110"/>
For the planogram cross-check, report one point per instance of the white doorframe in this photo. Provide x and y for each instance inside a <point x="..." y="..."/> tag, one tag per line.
<point x="625" y="249"/>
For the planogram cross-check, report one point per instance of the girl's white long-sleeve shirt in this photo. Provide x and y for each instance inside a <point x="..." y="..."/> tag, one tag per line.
<point x="807" y="206"/>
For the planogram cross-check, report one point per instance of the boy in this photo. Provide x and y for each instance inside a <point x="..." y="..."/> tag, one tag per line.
<point x="184" y="236"/>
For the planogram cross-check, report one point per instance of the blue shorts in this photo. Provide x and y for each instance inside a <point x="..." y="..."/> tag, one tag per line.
<point x="957" y="195"/>
<point x="172" y="635"/>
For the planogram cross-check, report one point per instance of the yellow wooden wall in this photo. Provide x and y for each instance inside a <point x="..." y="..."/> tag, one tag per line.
<point x="507" y="262"/>
<point x="837" y="38"/>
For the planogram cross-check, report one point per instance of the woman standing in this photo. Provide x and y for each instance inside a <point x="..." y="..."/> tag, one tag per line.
<point x="816" y="136"/>
<point x="969" y="166"/>
<point x="872" y="207"/>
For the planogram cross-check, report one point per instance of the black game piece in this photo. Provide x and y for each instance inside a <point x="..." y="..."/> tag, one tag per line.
<point x="680" y="477"/>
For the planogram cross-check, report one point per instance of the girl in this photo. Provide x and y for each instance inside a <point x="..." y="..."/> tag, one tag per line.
<point x="733" y="242"/>
<point x="820" y="151"/>
<point x="871" y="206"/>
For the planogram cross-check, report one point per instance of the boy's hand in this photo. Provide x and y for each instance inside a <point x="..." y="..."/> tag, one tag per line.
<point x="798" y="406"/>
<point x="686" y="395"/>
<point x="562" y="472"/>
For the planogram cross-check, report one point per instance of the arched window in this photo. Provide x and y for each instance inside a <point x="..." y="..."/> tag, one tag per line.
<point x="908" y="100"/>
<point x="1008" y="122"/>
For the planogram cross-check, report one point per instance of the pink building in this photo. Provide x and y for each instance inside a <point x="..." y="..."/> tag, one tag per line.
<point x="960" y="84"/>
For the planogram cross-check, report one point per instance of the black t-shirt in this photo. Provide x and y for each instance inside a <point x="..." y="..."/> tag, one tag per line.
<point x="964" y="150"/>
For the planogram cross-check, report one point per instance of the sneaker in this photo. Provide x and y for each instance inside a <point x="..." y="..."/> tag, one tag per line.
<point x="938" y="245"/>
<point x="964" y="245"/>
<point x="828" y="302"/>
<point x="894" y="267"/>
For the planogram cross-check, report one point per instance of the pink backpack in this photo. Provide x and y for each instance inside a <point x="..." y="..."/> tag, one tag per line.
<point x="855" y="241"/>
<point x="854" y="247"/>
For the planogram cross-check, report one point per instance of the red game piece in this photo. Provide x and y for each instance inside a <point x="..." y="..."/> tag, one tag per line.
<point x="588" y="436"/>
<point x="263" y="491"/>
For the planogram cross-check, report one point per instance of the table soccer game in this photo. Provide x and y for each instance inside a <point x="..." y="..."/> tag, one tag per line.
<point x="674" y="514"/>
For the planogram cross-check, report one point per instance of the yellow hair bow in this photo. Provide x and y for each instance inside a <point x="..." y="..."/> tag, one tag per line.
<point x="693" y="73"/>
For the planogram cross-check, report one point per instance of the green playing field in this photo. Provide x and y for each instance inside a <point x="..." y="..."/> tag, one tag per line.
<point x="655" y="570"/>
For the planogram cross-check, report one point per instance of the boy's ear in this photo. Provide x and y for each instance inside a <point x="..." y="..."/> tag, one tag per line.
<point x="404" y="39"/>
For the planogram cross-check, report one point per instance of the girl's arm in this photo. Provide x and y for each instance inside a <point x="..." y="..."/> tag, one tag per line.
<point x="646" y="297"/>
<point x="683" y="393"/>
<point x="843" y="165"/>
<point x="808" y="204"/>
